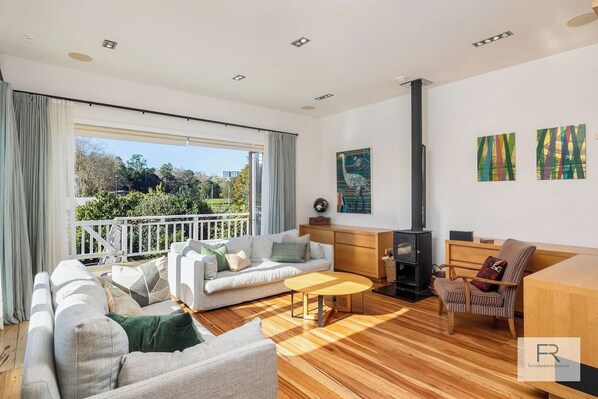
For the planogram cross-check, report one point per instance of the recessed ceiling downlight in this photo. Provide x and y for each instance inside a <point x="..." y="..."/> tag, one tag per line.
<point x="582" y="20"/>
<point x="492" y="39"/>
<point x="308" y="107"/>
<point x="80" y="57"/>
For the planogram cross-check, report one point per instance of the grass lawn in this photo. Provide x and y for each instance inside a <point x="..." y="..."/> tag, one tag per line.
<point x="218" y="205"/>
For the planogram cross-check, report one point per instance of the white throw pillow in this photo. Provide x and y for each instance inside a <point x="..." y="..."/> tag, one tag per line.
<point x="316" y="250"/>
<point x="280" y="236"/>
<point x="210" y="264"/>
<point x="237" y="244"/>
<point x="237" y="262"/>
<point x="261" y="249"/>
<point x="300" y="240"/>
<point x="138" y="366"/>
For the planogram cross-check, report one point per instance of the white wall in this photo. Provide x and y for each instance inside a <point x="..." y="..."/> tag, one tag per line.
<point x="28" y="75"/>
<point x="553" y="91"/>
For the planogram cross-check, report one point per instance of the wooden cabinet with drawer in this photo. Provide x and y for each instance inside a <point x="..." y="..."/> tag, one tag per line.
<point x="467" y="253"/>
<point x="356" y="249"/>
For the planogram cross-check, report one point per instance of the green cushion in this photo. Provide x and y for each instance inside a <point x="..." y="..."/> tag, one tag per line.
<point x="288" y="252"/>
<point x="163" y="333"/>
<point x="219" y="254"/>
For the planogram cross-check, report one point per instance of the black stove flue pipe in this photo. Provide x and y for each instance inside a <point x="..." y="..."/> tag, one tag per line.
<point x="417" y="166"/>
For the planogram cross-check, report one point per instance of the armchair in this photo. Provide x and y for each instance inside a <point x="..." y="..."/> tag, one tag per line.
<point x="459" y="296"/>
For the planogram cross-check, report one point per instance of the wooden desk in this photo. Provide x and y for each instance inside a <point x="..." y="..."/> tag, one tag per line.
<point x="562" y="301"/>
<point x="356" y="249"/>
<point x="468" y="253"/>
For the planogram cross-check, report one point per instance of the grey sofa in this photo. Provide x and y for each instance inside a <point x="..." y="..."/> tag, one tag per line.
<point x="189" y="283"/>
<point x="74" y="351"/>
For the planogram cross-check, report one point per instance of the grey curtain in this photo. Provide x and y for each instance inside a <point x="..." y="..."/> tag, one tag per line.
<point x="31" y="114"/>
<point x="281" y="159"/>
<point x="15" y="253"/>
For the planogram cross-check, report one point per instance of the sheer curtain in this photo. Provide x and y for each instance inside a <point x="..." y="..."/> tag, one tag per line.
<point x="61" y="193"/>
<point x="279" y="179"/>
<point x="15" y="253"/>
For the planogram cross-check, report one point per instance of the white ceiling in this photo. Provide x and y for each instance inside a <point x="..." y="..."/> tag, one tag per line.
<point x="358" y="47"/>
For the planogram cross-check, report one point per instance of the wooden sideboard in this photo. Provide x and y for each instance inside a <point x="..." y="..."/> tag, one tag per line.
<point x="562" y="301"/>
<point x="356" y="249"/>
<point x="468" y="253"/>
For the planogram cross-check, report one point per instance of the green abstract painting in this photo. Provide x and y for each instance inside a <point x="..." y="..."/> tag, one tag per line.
<point x="561" y="153"/>
<point x="496" y="157"/>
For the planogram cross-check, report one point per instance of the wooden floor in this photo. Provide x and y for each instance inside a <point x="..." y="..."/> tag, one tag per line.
<point x="396" y="350"/>
<point x="13" y="339"/>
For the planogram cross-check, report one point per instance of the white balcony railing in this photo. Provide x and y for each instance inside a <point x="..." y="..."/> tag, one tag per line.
<point x="120" y="238"/>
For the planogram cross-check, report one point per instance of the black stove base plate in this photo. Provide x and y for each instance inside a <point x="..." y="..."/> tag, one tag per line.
<point x="405" y="295"/>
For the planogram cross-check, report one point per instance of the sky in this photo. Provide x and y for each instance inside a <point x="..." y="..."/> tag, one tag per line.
<point x="212" y="161"/>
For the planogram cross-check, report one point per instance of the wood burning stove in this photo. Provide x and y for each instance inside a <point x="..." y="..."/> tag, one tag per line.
<point x="412" y="248"/>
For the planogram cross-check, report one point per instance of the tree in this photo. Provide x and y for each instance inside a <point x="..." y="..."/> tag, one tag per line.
<point x="210" y="189"/>
<point x="171" y="185"/>
<point x="95" y="169"/>
<point x="139" y="176"/>
<point x="240" y="191"/>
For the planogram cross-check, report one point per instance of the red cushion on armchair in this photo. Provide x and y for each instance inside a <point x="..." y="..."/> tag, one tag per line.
<point x="492" y="269"/>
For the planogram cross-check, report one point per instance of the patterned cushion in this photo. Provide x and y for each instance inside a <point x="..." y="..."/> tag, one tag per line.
<point x="492" y="269"/>
<point x="288" y="252"/>
<point x="453" y="291"/>
<point x="146" y="284"/>
<point x="302" y="240"/>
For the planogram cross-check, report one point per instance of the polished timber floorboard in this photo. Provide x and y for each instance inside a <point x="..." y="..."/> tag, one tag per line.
<point x="396" y="350"/>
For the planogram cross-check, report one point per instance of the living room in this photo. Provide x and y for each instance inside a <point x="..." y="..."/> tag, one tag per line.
<point x="171" y="65"/>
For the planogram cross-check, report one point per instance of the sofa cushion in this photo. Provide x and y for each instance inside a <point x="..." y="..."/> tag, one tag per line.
<point x="196" y="245"/>
<point x="237" y="262"/>
<point x="263" y="273"/>
<point x="210" y="264"/>
<point x="261" y="248"/>
<point x="159" y="333"/>
<point x="279" y="237"/>
<point x="88" y="347"/>
<point x="315" y="250"/>
<point x="120" y="302"/>
<point x="168" y="307"/>
<point x="219" y="254"/>
<point x="238" y="244"/>
<point x="302" y="240"/>
<point x="147" y="283"/>
<point x="288" y="252"/>
<point x="67" y="271"/>
<point x="453" y="291"/>
<point x="91" y="288"/>
<point x="138" y="366"/>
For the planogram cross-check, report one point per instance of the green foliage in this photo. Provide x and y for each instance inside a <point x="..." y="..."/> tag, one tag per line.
<point x="240" y="191"/>
<point x="108" y="206"/>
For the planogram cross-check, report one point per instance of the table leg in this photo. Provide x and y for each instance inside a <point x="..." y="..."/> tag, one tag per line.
<point x="305" y="305"/>
<point x="320" y="311"/>
<point x="292" y="303"/>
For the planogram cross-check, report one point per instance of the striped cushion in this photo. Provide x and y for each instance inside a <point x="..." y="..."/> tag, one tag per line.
<point x="453" y="291"/>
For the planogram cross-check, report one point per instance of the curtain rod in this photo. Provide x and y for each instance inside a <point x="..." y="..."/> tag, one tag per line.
<point x="149" y="111"/>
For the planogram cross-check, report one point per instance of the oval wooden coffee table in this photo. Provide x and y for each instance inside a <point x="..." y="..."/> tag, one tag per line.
<point x="326" y="284"/>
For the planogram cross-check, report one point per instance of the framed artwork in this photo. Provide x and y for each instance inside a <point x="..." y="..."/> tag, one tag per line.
<point x="561" y="153"/>
<point x="354" y="181"/>
<point x="496" y="157"/>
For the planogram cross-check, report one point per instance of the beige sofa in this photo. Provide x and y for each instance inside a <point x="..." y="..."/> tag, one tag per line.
<point x="75" y="351"/>
<point x="187" y="273"/>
